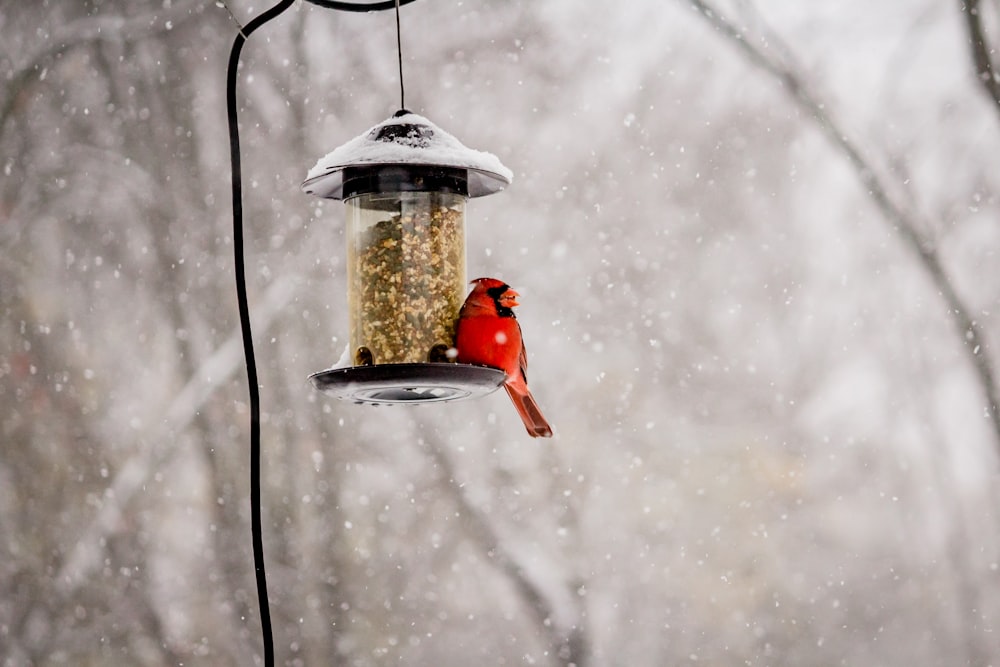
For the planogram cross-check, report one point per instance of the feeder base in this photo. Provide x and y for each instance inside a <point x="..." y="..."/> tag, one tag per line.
<point x="408" y="383"/>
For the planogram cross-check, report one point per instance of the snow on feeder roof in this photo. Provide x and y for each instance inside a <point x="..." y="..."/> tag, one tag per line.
<point x="406" y="139"/>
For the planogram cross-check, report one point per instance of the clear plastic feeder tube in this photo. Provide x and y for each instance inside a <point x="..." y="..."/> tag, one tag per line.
<point x="406" y="275"/>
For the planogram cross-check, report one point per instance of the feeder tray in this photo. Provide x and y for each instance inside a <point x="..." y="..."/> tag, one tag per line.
<point x="408" y="383"/>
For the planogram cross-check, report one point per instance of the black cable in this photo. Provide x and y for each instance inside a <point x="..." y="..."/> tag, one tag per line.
<point x="241" y="297"/>
<point x="241" y="288"/>
<point x="375" y="7"/>
<point x="359" y="6"/>
<point x="399" y="51"/>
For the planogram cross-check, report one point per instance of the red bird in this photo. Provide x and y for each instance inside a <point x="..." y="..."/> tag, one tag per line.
<point x="487" y="334"/>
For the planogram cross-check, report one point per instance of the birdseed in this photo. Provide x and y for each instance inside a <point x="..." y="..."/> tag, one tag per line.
<point x="408" y="281"/>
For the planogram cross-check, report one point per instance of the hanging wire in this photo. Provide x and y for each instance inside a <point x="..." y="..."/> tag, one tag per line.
<point x="239" y="26"/>
<point x="241" y="287"/>
<point x="374" y="7"/>
<point x="399" y="51"/>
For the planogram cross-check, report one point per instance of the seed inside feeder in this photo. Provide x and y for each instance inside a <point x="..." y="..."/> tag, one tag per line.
<point x="406" y="273"/>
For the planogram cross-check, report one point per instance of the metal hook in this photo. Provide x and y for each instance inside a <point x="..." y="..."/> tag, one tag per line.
<point x="222" y="3"/>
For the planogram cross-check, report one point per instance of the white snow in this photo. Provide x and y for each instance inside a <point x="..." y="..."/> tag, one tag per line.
<point x="346" y="360"/>
<point x="429" y="146"/>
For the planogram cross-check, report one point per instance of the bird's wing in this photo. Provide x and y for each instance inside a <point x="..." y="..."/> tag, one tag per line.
<point x="522" y="360"/>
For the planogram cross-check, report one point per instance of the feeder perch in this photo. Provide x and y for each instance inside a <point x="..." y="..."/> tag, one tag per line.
<point x="404" y="184"/>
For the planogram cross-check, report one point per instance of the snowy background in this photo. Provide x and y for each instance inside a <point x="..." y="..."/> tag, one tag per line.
<point x="774" y="439"/>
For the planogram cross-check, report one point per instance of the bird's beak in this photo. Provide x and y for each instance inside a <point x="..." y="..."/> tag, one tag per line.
<point x="509" y="298"/>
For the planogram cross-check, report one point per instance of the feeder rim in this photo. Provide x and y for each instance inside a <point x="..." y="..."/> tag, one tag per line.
<point x="322" y="185"/>
<point x="408" y="383"/>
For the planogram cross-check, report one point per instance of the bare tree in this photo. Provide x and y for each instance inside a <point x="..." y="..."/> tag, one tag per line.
<point x="567" y="637"/>
<point x="982" y="49"/>
<point x="691" y="504"/>
<point x="889" y="197"/>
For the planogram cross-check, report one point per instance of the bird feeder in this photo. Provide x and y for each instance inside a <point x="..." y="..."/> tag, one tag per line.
<point x="404" y="184"/>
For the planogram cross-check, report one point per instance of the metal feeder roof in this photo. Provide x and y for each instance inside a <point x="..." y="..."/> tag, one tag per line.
<point x="406" y="139"/>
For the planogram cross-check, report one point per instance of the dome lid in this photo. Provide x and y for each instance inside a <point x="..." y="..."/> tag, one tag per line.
<point x="406" y="139"/>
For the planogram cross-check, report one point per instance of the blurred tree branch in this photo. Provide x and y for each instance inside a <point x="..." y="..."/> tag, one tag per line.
<point x="982" y="50"/>
<point x="568" y="638"/>
<point x="771" y="55"/>
<point x="68" y="35"/>
<point x="133" y="474"/>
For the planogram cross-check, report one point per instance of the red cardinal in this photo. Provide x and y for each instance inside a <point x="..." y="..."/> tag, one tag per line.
<point x="488" y="334"/>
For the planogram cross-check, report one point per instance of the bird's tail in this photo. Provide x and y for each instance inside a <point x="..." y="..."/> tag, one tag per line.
<point x="528" y="409"/>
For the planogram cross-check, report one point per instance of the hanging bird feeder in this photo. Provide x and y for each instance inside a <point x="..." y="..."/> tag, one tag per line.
<point x="404" y="184"/>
